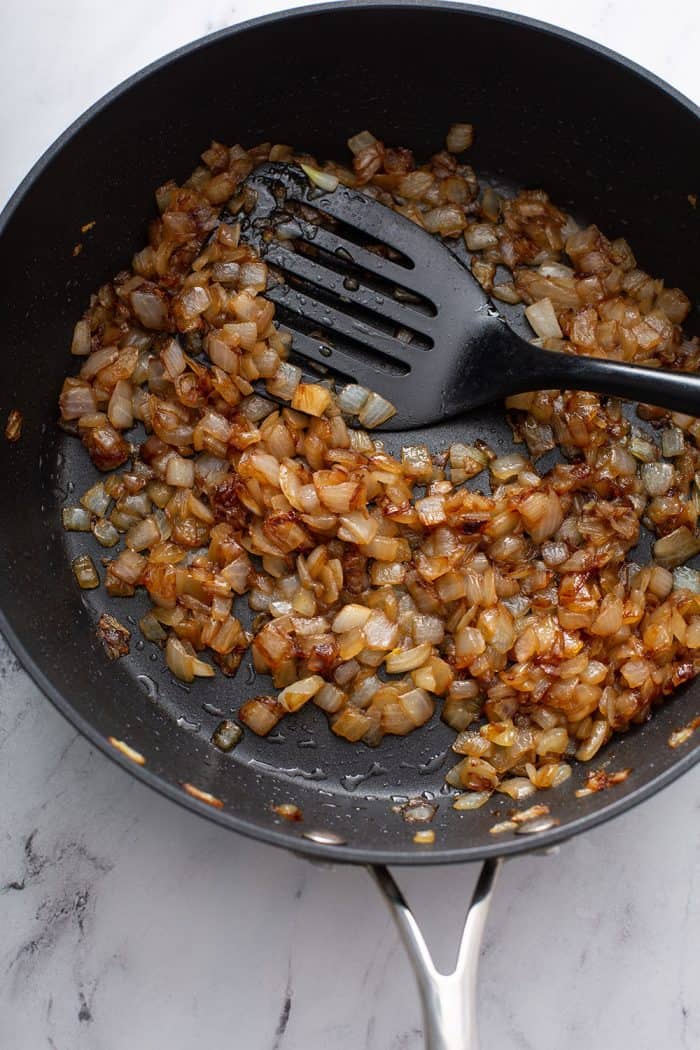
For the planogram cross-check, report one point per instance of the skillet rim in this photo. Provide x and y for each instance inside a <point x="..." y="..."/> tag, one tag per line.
<point x="289" y="838"/>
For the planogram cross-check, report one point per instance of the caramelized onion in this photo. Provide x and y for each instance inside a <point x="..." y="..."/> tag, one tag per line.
<point x="382" y="585"/>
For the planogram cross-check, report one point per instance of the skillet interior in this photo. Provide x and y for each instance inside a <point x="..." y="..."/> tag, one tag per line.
<point x="607" y="142"/>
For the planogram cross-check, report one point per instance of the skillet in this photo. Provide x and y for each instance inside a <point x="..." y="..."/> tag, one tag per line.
<point x="608" y="141"/>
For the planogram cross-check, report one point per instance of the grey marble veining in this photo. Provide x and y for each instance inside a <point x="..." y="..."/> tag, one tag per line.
<point x="130" y="924"/>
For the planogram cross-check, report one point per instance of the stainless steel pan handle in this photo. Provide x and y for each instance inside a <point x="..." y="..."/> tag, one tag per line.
<point x="448" y="999"/>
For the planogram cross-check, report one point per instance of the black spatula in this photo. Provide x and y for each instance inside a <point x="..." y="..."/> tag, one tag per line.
<point x="409" y="321"/>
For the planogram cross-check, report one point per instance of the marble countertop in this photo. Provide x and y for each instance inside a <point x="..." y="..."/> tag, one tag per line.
<point x="130" y="924"/>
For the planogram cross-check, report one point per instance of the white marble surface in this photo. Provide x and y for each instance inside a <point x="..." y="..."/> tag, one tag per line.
<point x="129" y="924"/>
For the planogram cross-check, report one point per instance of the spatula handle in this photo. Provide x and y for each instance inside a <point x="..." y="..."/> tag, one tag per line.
<point x="535" y="369"/>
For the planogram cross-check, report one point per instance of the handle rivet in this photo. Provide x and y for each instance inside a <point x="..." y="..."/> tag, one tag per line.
<point x="324" y="837"/>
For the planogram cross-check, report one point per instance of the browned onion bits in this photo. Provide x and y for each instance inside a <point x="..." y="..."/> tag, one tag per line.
<point x="382" y="587"/>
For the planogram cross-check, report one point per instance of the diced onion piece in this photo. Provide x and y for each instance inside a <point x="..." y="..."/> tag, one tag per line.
<point x="657" y="478"/>
<point x="504" y="468"/>
<point x="80" y="345"/>
<point x="256" y="408"/>
<point x="151" y="629"/>
<point x="150" y="309"/>
<point x="471" y="800"/>
<point x="98" y="360"/>
<point x="609" y="619"/>
<point x="357" y="527"/>
<point x="672" y="441"/>
<point x="115" y="637"/>
<point x="642" y="449"/>
<point x="502" y="826"/>
<point x="361" y="141"/>
<point x="685" y="578"/>
<point x="375" y="411"/>
<point x="431" y="511"/>
<point x="261" y="714"/>
<point x="96" y="499"/>
<point x="427" y="629"/>
<point x="323" y="179"/>
<point x="459" y="138"/>
<point x="517" y="788"/>
<point x="418" y="705"/>
<point x="203" y="796"/>
<point x="543" y="319"/>
<point x="288" y="811"/>
<point x="506" y="292"/>
<point x="418" y="811"/>
<point x="311" y="398"/>
<point x="77" y="399"/>
<point x="491" y="204"/>
<point x="330" y="698"/>
<point x="677" y="547"/>
<point x="253" y="275"/>
<point x="120" y="408"/>
<point x="173" y="359"/>
<point x="542" y="514"/>
<point x="401" y="660"/>
<point x="380" y="633"/>
<point x="105" y="532"/>
<point x="226" y="735"/>
<point x="351" y="723"/>
<point x="661" y="582"/>
<point x="524" y="816"/>
<point x="285" y="381"/>
<point x="13" y="427"/>
<point x="129" y="752"/>
<point x="180" y="472"/>
<point x="480" y="235"/>
<point x="181" y="659"/>
<point x="75" y="519"/>
<point x="426" y="837"/>
<point x="142" y="535"/>
<point x="417" y="462"/>
<point x="352" y="398"/>
<point x="297" y="694"/>
<point x="85" y="572"/>
<point x="350" y="616"/>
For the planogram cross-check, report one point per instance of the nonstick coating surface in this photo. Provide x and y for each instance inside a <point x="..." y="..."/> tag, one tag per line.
<point x="607" y="141"/>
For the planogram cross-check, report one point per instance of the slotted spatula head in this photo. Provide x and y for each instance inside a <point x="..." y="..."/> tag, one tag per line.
<point x="371" y="298"/>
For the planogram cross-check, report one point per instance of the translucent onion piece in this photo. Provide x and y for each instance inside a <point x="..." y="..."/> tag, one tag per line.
<point x="352" y="398"/>
<point x="459" y="137"/>
<point x="324" y="180"/>
<point x="129" y="752"/>
<point x="685" y="578"/>
<point x="96" y="499"/>
<point x="677" y="547"/>
<point x="182" y="661"/>
<point x="85" y="572"/>
<point x="543" y="319"/>
<point x="375" y="411"/>
<point x="297" y="694"/>
<point x="471" y="800"/>
<point x="13" y="427"/>
<point x="226" y="735"/>
<point x="80" y="345"/>
<point x="311" y="399"/>
<point x="75" y="519"/>
<point x="657" y="478"/>
<point x="361" y="141"/>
